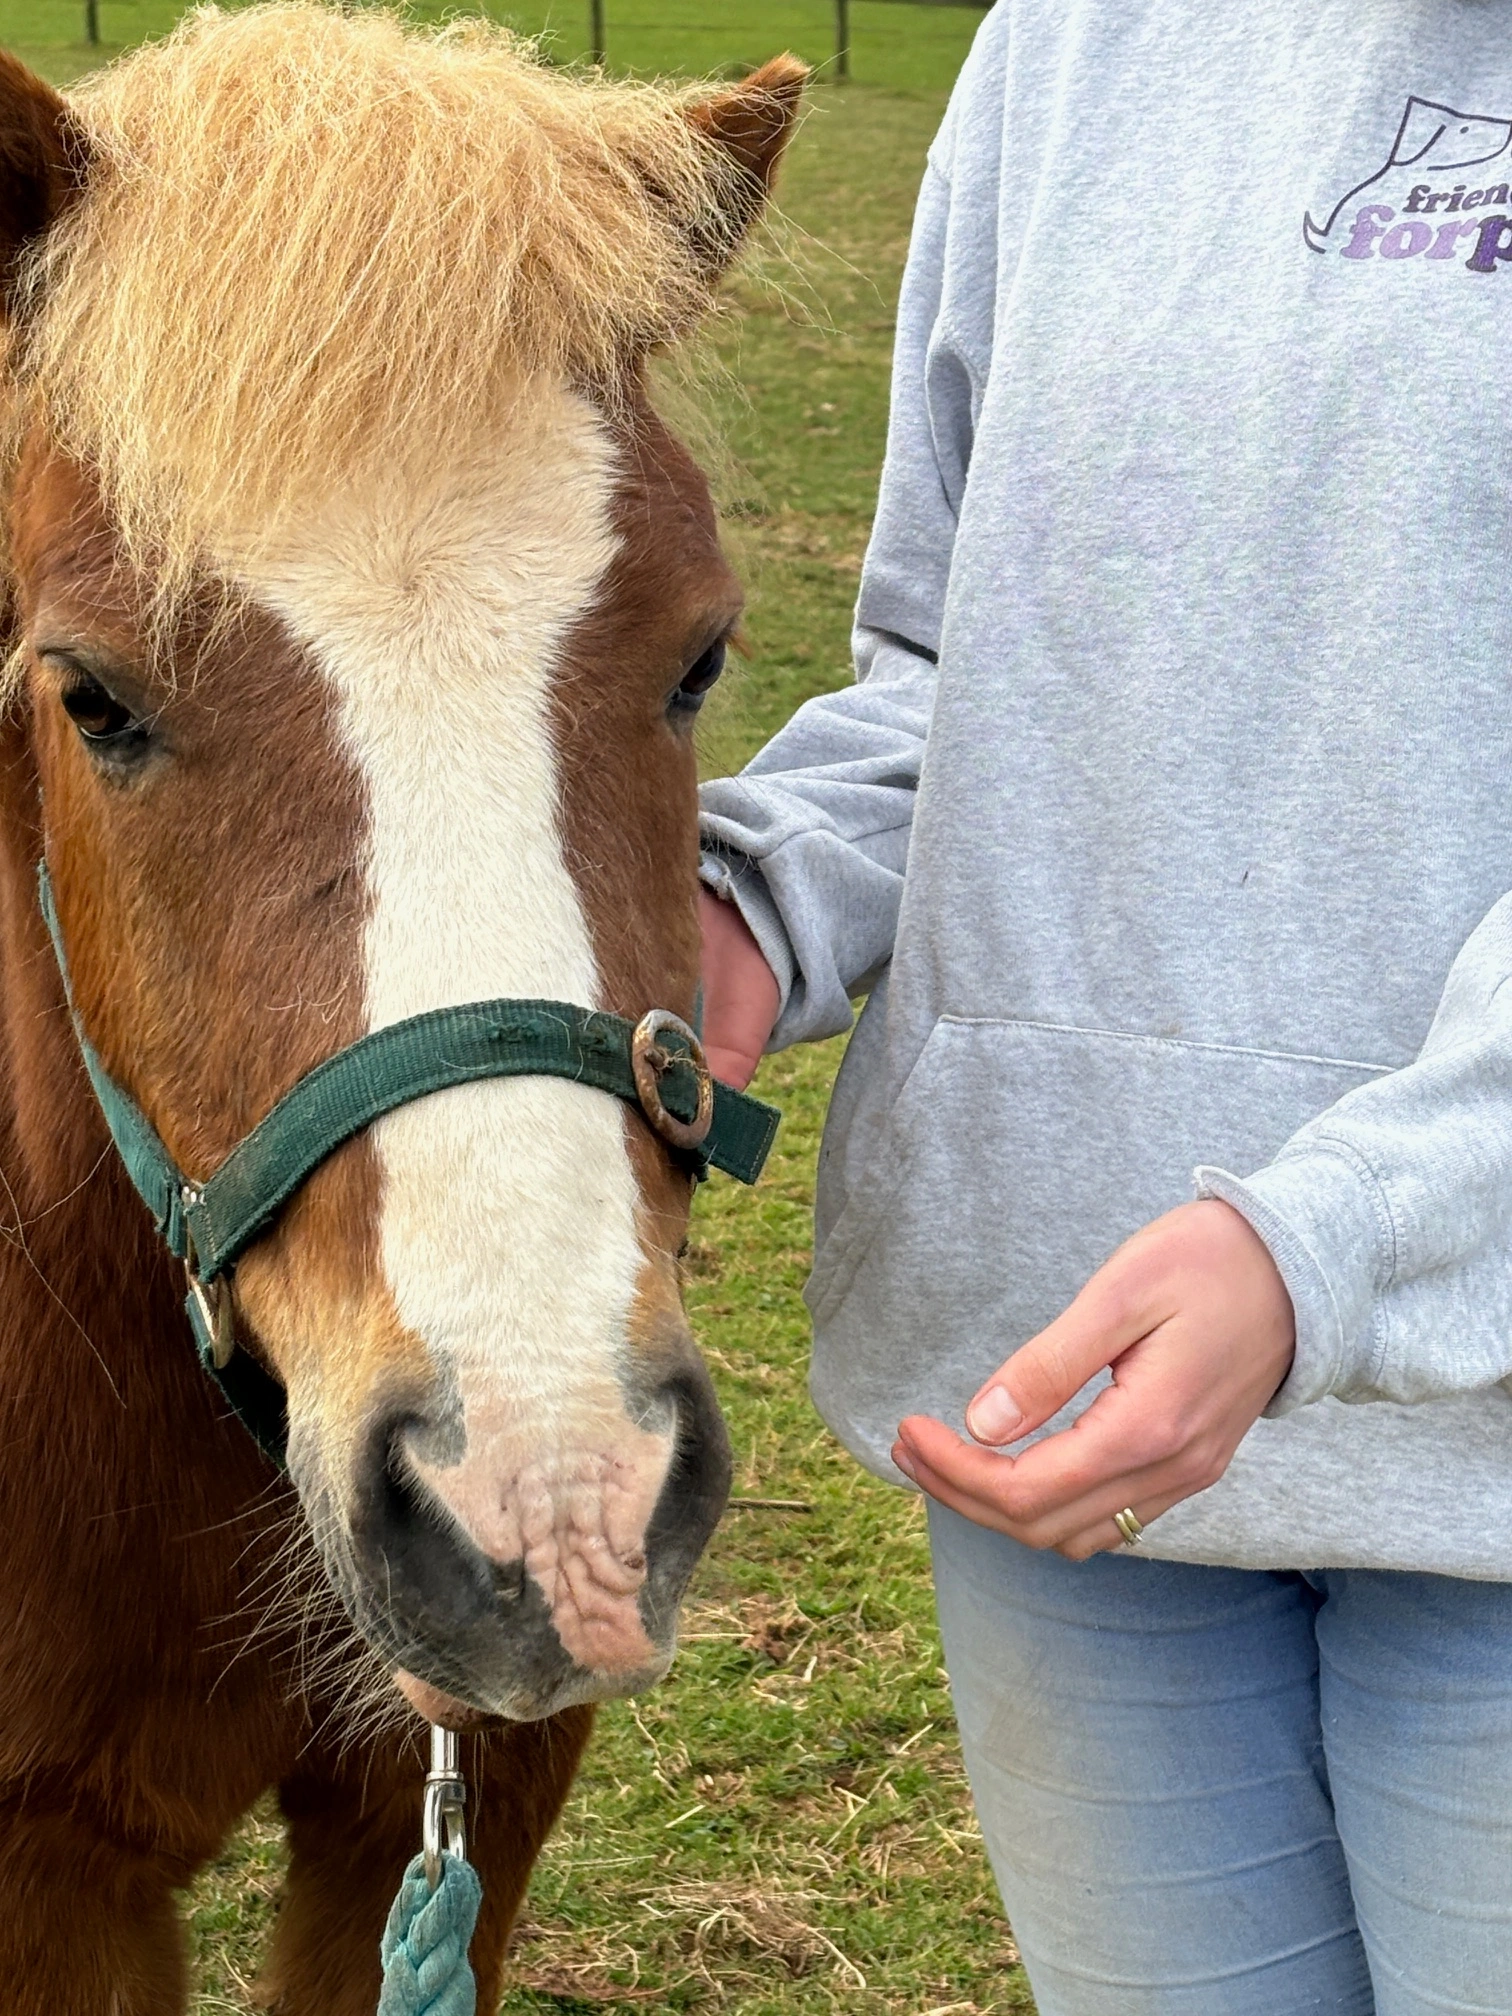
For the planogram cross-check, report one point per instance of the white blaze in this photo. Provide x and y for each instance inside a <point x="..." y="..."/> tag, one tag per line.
<point x="437" y="608"/>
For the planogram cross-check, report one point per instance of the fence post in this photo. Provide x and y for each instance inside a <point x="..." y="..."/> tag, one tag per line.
<point x="92" y="22"/>
<point x="842" y="39"/>
<point x="596" y="32"/>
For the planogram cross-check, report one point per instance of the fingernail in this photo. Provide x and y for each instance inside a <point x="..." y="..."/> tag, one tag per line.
<point x="992" y="1416"/>
<point x="903" y="1463"/>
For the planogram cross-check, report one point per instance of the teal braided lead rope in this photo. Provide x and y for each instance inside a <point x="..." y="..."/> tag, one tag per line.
<point x="425" y="1942"/>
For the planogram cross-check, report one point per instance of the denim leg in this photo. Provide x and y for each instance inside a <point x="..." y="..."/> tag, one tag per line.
<point x="1416" y="1689"/>
<point x="1144" y="1749"/>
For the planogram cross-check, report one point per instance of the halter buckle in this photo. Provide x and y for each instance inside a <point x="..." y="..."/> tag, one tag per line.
<point x="650" y="1062"/>
<point x="442" y="1829"/>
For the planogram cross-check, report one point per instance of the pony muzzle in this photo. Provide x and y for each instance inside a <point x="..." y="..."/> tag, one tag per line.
<point x="516" y="1572"/>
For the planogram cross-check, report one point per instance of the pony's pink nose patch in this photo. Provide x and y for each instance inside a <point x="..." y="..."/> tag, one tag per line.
<point x="577" y="1521"/>
<point x="582" y="1541"/>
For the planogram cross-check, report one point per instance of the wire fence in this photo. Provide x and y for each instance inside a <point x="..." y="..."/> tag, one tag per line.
<point x="598" y="34"/>
<point x="843" y="24"/>
<point x="121" y="21"/>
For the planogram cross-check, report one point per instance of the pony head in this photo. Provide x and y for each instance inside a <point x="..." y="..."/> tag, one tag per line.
<point x="363" y="604"/>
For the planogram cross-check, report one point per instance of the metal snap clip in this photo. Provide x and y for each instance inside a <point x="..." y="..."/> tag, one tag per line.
<point x="442" y="1828"/>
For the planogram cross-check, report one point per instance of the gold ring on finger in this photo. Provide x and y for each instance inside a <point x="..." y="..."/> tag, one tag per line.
<point x="1130" y="1527"/>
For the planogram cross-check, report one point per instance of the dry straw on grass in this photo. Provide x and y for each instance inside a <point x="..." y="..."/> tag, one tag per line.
<point x="711" y="1937"/>
<point x="312" y="241"/>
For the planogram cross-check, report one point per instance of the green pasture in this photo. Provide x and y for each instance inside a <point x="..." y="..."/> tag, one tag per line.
<point x="783" y="1828"/>
<point x="898" y="47"/>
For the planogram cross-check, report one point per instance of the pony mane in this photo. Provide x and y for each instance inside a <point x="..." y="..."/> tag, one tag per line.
<point x="312" y="242"/>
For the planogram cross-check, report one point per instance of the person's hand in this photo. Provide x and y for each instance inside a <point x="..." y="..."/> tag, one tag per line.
<point x="741" y="995"/>
<point x="1199" y="1330"/>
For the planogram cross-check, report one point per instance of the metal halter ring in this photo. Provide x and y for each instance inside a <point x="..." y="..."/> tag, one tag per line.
<point x="1131" y="1528"/>
<point x="441" y="1825"/>
<point x="650" y="1061"/>
<point x="211" y="1298"/>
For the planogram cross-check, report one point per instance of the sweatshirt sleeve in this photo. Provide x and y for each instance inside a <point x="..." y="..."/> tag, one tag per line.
<point x="811" y="839"/>
<point x="1390" y="1215"/>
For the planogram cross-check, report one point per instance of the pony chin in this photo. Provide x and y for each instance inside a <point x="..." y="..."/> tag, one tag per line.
<point x="443" y="1709"/>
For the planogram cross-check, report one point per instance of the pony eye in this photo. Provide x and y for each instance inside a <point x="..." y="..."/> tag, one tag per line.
<point x="96" y="713"/>
<point x="698" y="679"/>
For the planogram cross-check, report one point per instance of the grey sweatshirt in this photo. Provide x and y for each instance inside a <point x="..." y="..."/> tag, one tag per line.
<point x="1169" y="821"/>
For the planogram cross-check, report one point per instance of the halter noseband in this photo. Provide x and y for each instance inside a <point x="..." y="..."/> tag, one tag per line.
<point x="656" y="1065"/>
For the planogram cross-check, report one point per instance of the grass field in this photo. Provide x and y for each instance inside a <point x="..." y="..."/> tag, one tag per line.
<point x="783" y="1827"/>
<point x="897" y="47"/>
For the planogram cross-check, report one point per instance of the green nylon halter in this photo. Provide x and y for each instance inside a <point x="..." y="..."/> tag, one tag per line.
<point x="209" y="1225"/>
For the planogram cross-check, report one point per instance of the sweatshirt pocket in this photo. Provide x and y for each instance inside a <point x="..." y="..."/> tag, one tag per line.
<point x="874" y="1188"/>
<point x="1016" y="1158"/>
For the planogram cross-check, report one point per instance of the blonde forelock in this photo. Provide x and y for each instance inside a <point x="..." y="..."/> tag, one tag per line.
<point x="313" y="241"/>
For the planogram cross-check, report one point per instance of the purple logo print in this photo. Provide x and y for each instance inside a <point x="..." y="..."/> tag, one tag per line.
<point x="1424" y="202"/>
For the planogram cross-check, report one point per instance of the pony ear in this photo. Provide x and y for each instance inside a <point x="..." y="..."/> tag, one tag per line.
<point x="751" y="122"/>
<point x="43" y="162"/>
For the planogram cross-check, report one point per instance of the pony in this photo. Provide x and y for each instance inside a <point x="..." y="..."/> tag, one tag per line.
<point x="360" y="604"/>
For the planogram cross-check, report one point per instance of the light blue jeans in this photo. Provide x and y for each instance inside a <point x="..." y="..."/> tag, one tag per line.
<point x="1223" y="1792"/>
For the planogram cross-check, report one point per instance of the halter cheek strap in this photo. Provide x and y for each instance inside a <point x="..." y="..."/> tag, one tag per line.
<point x="656" y="1065"/>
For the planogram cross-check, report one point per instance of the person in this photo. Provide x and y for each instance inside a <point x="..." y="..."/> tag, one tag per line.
<point x="1168" y="828"/>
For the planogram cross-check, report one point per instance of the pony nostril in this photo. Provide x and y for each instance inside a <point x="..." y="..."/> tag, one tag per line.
<point x="405" y="1510"/>
<point x="692" y="1496"/>
<point x="407" y="1540"/>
